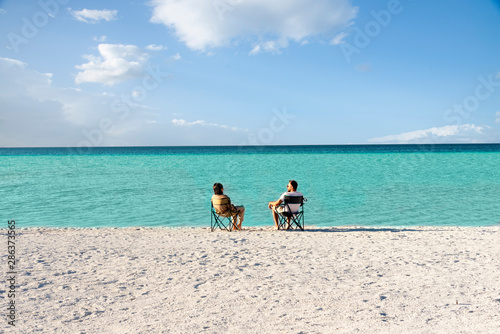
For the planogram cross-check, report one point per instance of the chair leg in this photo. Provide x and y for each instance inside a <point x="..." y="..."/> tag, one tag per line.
<point x="283" y="222"/>
<point x="299" y="222"/>
<point x="296" y="221"/>
<point x="218" y="222"/>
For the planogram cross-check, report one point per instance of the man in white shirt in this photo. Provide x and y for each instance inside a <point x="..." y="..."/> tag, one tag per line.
<point x="278" y="208"/>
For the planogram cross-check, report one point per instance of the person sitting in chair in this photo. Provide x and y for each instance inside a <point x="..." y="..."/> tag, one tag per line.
<point x="228" y="209"/>
<point x="278" y="208"/>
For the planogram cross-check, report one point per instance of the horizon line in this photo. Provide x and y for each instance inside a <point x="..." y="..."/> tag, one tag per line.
<point x="276" y="145"/>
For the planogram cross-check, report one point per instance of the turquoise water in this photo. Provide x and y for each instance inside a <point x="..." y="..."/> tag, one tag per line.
<point x="375" y="185"/>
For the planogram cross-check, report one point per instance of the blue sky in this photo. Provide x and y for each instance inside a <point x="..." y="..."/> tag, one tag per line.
<point x="248" y="72"/>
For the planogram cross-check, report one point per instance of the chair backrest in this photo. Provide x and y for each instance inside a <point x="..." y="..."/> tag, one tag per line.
<point x="294" y="200"/>
<point x="221" y="215"/>
<point x="293" y="203"/>
<point x="221" y="201"/>
<point x="221" y="204"/>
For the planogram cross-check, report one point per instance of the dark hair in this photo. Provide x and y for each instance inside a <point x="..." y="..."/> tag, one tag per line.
<point x="294" y="184"/>
<point x="218" y="188"/>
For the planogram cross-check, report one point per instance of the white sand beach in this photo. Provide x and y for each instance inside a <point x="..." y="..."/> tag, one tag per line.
<point x="322" y="280"/>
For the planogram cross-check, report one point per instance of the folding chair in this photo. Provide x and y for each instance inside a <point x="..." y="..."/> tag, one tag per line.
<point x="288" y="219"/>
<point x="224" y="221"/>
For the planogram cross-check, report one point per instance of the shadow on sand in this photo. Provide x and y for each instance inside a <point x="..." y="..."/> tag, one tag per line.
<point x="361" y="229"/>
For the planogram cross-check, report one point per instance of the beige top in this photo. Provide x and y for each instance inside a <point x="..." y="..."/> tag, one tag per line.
<point x="221" y="204"/>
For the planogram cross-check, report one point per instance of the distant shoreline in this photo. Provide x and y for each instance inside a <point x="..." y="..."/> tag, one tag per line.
<point x="259" y="228"/>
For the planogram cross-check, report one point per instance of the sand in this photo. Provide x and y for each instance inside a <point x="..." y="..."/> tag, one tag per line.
<point x="333" y="280"/>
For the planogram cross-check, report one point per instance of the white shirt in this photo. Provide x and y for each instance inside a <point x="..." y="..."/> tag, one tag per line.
<point x="293" y="207"/>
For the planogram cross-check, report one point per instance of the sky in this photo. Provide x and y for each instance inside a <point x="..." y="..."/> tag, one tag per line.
<point x="248" y="72"/>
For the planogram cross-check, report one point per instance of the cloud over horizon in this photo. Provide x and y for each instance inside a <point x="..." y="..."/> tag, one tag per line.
<point x="184" y="123"/>
<point x="268" y="25"/>
<point x="446" y="134"/>
<point x="35" y="112"/>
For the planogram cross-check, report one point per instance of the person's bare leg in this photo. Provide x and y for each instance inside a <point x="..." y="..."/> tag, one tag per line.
<point x="242" y="215"/>
<point x="239" y="214"/>
<point x="235" y="223"/>
<point x="287" y="223"/>
<point x="275" y="217"/>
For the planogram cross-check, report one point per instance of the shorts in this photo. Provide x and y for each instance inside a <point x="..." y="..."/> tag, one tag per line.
<point x="282" y="210"/>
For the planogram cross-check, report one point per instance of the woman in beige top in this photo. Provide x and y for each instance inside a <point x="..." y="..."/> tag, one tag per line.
<point x="223" y="207"/>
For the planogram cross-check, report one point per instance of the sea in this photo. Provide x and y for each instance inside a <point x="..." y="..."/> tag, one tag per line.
<point x="345" y="185"/>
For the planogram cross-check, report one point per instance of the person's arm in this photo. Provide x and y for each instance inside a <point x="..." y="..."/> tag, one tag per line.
<point x="230" y="206"/>
<point x="275" y="203"/>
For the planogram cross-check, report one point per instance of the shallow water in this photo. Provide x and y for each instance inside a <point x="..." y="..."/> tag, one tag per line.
<point x="367" y="185"/>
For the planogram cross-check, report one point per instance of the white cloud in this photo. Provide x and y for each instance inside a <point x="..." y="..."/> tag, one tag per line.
<point x="94" y="15"/>
<point x="9" y="63"/>
<point x="182" y="122"/>
<point x="116" y="63"/>
<point x="255" y="50"/>
<point x="18" y="79"/>
<point x="202" y="24"/>
<point x="339" y="39"/>
<point x="27" y="89"/>
<point x="154" y="47"/>
<point x="100" y="39"/>
<point x="446" y="134"/>
<point x="2" y="11"/>
<point x="35" y="112"/>
<point x="270" y="46"/>
<point x="176" y="56"/>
